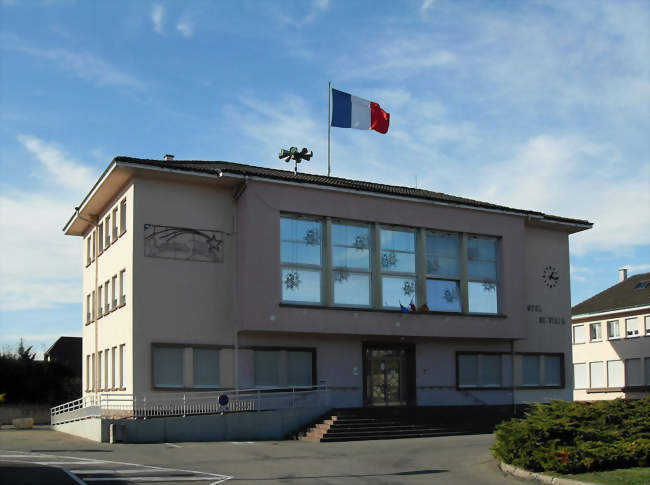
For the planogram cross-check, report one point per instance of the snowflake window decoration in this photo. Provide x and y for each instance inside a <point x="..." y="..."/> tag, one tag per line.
<point x="489" y="286"/>
<point x="312" y="237"/>
<point x="361" y="242"/>
<point x="408" y="288"/>
<point x="292" y="280"/>
<point x="450" y="295"/>
<point x="433" y="266"/>
<point x="388" y="260"/>
<point x="341" y="276"/>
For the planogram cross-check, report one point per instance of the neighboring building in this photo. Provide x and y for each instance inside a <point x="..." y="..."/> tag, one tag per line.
<point x="611" y="341"/>
<point x="214" y="275"/>
<point x="66" y="351"/>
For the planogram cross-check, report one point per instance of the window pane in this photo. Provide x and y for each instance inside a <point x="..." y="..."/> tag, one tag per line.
<point x="300" y="241"/>
<point x="299" y="372"/>
<point x="552" y="370"/>
<point x="579" y="334"/>
<point x="267" y="368"/>
<point x="442" y="254"/>
<point x="443" y="295"/>
<point x="595" y="331"/>
<point x="482" y="297"/>
<point x="300" y="253"/>
<point x="596" y="375"/>
<point x="613" y="329"/>
<point x="482" y="258"/>
<point x="647" y="371"/>
<point x="615" y="376"/>
<point x="301" y="285"/>
<point x="397" y="251"/>
<point x="397" y="290"/>
<point x="468" y="370"/>
<point x="580" y="376"/>
<point x="351" y="288"/>
<point x="632" y="326"/>
<point x="351" y="246"/>
<point x="530" y="370"/>
<point x="168" y="366"/>
<point x="647" y="325"/>
<point x="633" y="372"/>
<point x="490" y="370"/>
<point x="206" y="368"/>
<point x="345" y="257"/>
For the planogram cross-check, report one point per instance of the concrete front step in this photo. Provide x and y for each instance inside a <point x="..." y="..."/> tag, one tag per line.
<point x="355" y="437"/>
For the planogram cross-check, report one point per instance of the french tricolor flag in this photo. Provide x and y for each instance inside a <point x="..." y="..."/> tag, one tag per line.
<point x="352" y="112"/>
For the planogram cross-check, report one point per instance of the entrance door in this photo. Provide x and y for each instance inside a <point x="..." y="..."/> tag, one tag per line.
<point x="387" y="376"/>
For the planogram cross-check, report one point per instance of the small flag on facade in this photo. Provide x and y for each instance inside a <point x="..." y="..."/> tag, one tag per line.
<point x="353" y="112"/>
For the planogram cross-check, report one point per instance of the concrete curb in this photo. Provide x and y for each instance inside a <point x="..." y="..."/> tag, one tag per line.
<point x="538" y="477"/>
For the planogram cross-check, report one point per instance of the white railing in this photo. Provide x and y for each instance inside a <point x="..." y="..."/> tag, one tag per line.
<point x="125" y="406"/>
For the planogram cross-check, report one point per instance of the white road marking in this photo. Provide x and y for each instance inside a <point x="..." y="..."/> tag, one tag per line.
<point x="117" y="474"/>
<point x="155" y="479"/>
<point x="173" y="445"/>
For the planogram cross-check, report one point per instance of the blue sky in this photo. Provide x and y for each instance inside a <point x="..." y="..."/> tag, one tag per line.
<point x="537" y="105"/>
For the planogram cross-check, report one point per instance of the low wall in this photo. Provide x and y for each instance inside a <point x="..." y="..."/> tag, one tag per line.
<point x="94" y="429"/>
<point x="40" y="413"/>
<point x="253" y="426"/>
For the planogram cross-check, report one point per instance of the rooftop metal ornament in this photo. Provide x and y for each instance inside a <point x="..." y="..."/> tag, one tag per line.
<point x="295" y="155"/>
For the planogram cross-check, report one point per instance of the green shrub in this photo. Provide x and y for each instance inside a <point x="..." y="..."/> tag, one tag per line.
<point x="568" y="437"/>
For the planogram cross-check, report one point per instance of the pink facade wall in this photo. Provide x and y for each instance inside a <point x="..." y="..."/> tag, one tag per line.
<point x="259" y="284"/>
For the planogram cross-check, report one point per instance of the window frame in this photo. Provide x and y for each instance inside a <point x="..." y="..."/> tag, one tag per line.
<point x="440" y="277"/>
<point x="618" y="328"/>
<point x="314" y="370"/>
<point x="304" y="266"/>
<point x="638" y="328"/>
<point x="123" y="216"/>
<point x="479" y="359"/>
<point x="592" y="329"/>
<point x="329" y="248"/>
<point x="397" y="274"/>
<point x="573" y="332"/>
<point x="497" y="271"/>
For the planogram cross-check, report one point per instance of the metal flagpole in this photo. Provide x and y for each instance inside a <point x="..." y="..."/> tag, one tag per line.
<point x="329" y="123"/>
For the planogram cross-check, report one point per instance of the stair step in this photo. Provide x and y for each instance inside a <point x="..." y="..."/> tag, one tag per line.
<point x="347" y="432"/>
<point x="356" y="437"/>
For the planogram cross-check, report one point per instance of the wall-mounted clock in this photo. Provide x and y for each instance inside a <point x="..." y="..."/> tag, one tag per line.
<point x="550" y="276"/>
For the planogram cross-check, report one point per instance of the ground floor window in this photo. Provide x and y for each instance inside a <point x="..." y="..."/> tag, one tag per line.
<point x="580" y="376"/>
<point x="479" y="370"/>
<point x="185" y="366"/>
<point x="284" y="367"/>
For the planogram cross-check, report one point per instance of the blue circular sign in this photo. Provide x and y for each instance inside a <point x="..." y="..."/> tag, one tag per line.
<point x="223" y="400"/>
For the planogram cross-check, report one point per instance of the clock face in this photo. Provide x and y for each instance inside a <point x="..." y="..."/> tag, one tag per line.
<point x="550" y="276"/>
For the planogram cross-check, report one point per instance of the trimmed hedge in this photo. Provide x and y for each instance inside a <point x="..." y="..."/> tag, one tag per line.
<point x="567" y="437"/>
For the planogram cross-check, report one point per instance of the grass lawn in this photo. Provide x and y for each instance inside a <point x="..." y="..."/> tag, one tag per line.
<point x="626" y="476"/>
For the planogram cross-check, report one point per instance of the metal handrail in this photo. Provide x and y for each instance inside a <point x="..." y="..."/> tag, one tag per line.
<point x="122" y="405"/>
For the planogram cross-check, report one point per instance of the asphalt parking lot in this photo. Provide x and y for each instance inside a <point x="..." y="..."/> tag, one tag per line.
<point x="52" y="457"/>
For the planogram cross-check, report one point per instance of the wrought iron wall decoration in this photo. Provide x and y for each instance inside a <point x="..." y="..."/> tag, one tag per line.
<point x="183" y="243"/>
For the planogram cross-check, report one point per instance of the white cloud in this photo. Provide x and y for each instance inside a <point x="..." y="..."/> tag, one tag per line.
<point x="636" y="268"/>
<point x="157" y="18"/>
<point x="574" y="177"/>
<point x="39" y="265"/>
<point x="185" y="27"/>
<point x="426" y="5"/>
<point x="81" y="64"/>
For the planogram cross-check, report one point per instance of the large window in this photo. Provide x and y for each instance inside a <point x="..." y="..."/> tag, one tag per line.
<point x="482" y="286"/>
<point x="301" y="258"/>
<point x="479" y="370"/>
<point x="443" y="271"/>
<point x="206" y="367"/>
<point x="283" y="368"/>
<point x="397" y="268"/>
<point x="541" y="370"/>
<point x="647" y="325"/>
<point x="351" y="264"/>
<point x="332" y="262"/>
<point x="168" y="366"/>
